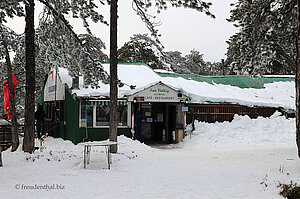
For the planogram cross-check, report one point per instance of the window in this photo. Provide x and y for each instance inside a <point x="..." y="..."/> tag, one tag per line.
<point x="102" y="115"/>
<point x="122" y="115"/>
<point x="55" y="111"/>
<point x="96" y="114"/>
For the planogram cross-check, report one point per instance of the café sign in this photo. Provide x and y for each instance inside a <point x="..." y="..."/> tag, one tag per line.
<point x="158" y="93"/>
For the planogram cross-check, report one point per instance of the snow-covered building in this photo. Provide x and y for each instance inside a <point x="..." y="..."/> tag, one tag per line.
<point x="160" y="103"/>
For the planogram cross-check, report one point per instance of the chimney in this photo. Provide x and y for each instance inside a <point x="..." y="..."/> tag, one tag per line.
<point x="75" y="82"/>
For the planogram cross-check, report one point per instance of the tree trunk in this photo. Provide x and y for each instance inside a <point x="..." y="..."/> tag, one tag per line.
<point x="28" y="143"/>
<point x="113" y="120"/>
<point x="1" y="164"/>
<point x="14" y="127"/>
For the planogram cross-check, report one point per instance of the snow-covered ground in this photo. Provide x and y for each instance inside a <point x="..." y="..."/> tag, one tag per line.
<point x="242" y="159"/>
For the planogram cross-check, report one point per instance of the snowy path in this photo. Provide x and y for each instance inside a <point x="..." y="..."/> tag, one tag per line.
<point x="211" y="174"/>
<point x="173" y="173"/>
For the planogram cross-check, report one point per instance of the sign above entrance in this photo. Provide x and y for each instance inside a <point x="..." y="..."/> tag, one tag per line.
<point x="158" y="93"/>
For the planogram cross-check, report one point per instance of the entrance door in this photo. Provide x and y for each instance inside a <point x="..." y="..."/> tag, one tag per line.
<point x="54" y="116"/>
<point x="143" y="121"/>
<point x="158" y="122"/>
<point x="171" y="122"/>
<point x="152" y="119"/>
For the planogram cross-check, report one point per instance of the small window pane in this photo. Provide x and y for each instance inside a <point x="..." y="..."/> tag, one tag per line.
<point x="86" y="115"/>
<point x="122" y="115"/>
<point x="102" y="115"/>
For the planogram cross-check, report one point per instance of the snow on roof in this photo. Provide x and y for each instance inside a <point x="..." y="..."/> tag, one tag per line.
<point x="275" y="94"/>
<point x="280" y="76"/>
<point x="162" y="71"/>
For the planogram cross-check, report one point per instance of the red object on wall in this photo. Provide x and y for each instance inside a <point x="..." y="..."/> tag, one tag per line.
<point x="6" y="96"/>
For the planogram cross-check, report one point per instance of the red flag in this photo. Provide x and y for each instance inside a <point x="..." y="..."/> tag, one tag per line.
<point x="6" y="96"/>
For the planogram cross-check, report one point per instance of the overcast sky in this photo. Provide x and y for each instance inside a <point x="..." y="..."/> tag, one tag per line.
<point x="181" y="29"/>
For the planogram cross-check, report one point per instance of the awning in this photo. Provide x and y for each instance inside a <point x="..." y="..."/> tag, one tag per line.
<point x="106" y="102"/>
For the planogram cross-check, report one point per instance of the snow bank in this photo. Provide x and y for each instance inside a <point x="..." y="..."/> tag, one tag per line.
<point x="128" y="143"/>
<point x="244" y="132"/>
<point x="58" y="150"/>
<point x="190" y="170"/>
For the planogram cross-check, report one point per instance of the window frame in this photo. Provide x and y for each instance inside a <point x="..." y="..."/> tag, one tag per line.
<point x="93" y="102"/>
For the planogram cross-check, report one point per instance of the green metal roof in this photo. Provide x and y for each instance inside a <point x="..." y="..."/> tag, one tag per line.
<point x="241" y="81"/>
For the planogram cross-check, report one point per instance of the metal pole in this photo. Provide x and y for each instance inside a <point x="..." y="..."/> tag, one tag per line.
<point x="223" y="67"/>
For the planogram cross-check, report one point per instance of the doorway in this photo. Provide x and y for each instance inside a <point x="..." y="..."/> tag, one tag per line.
<point x="154" y="122"/>
<point x="171" y="122"/>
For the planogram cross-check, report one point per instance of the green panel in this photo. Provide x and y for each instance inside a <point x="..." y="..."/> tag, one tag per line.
<point x="71" y="130"/>
<point x="41" y="98"/>
<point x="241" y="81"/>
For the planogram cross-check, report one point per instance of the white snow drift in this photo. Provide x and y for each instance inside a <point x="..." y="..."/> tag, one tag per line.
<point x="242" y="159"/>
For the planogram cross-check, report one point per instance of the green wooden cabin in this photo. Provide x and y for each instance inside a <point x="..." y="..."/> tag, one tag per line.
<point x="150" y="112"/>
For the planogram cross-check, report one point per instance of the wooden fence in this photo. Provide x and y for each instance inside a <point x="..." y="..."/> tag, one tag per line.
<point x="221" y="112"/>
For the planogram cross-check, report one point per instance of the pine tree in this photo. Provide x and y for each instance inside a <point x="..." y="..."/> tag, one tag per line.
<point x="80" y="54"/>
<point x="141" y="7"/>
<point x="84" y="10"/>
<point x="57" y="9"/>
<point x="141" y="48"/>
<point x="265" y="43"/>
<point x="8" y="41"/>
<point x="195" y="63"/>
<point x="191" y="63"/>
<point x="176" y="62"/>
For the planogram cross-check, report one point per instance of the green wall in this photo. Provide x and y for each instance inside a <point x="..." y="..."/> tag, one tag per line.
<point x="71" y="130"/>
